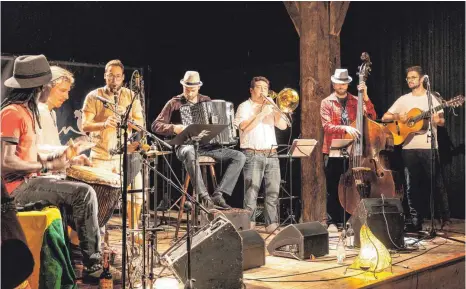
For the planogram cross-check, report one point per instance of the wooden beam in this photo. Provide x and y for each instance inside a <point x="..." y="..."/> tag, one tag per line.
<point x="293" y="10"/>
<point x="315" y="86"/>
<point x="338" y="11"/>
<point x="337" y="17"/>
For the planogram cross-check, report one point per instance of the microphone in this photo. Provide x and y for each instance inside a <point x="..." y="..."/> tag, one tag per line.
<point x="137" y="79"/>
<point x="106" y="101"/>
<point x="426" y="79"/>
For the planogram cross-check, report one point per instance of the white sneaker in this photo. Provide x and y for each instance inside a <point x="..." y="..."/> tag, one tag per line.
<point x="332" y="228"/>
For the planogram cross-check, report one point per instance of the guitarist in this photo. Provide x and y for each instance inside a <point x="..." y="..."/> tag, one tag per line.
<point x="417" y="150"/>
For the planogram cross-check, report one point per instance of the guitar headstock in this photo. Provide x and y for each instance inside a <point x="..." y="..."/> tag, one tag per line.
<point x="365" y="67"/>
<point x="456" y="101"/>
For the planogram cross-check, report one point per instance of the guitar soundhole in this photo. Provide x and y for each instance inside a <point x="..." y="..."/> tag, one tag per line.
<point x="411" y="123"/>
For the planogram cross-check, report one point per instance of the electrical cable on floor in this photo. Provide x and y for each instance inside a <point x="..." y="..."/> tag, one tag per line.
<point x="266" y="279"/>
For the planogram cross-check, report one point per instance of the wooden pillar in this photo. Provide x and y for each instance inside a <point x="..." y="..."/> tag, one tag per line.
<point x="318" y="25"/>
<point x="315" y="86"/>
<point x="337" y="17"/>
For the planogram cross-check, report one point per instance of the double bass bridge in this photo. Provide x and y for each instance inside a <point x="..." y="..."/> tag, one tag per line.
<point x="362" y="177"/>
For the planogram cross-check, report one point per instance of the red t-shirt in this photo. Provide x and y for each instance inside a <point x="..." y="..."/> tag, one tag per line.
<point x="17" y="127"/>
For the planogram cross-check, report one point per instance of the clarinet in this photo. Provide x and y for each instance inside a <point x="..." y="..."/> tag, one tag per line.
<point x="115" y="101"/>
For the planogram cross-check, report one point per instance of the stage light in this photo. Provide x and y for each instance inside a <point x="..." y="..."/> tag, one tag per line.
<point x="373" y="256"/>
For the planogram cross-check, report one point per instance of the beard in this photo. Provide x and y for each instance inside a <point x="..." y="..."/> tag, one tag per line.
<point x="115" y="87"/>
<point x="191" y="95"/>
<point x="341" y="92"/>
<point x="415" y="86"/>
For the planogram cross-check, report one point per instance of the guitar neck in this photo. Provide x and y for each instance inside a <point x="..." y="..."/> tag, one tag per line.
<point x="427" y="114"/>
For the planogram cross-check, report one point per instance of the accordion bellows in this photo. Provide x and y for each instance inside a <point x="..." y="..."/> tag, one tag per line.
<point x="212" y="112"/>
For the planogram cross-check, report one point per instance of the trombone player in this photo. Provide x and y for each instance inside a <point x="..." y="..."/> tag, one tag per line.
<point x="256" y="119"/>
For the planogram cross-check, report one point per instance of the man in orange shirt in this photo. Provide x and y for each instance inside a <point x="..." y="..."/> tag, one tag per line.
<point x="19" y="158"/>
<point x="101" y="123"/>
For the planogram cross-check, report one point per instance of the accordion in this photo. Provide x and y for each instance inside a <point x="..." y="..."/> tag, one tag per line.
<point x="212" y="112"/>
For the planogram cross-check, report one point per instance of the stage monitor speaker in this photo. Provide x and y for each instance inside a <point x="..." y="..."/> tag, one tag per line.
<point x="240" y="218"/>
<point x="300" y="241"/>
<point x="370" y="211"/>
<point x="216" y="257"/>
<point x="253" y="249"/>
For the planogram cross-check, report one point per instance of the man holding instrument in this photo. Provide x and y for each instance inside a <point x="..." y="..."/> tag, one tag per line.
<point x="416" y="152"/>
<point x="60" y="86"/>
<point x="167" y="123"/>
<point x="256" y="120"/>
<point x="20" y="120"/>
<point x="102" y="124"/>
<point x="337" y="112"/>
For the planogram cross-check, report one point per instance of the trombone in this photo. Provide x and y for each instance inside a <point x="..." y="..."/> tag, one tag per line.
<point x="287" y="101"/>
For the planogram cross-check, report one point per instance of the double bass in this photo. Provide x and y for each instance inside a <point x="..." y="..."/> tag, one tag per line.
<point x="368" y="175"/>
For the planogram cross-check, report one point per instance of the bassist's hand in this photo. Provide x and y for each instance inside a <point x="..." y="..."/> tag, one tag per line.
<point x="362" y="87"/>
<point x="353" y="132"/>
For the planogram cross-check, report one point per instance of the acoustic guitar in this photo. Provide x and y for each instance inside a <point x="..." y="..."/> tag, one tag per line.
<point x="417" y="120"/>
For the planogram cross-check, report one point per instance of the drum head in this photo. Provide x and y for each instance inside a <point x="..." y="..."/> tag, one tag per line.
<point x="93" y="175"/>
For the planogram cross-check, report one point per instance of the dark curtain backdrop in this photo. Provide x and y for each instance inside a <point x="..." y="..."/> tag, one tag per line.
<point x="402" y="34"/>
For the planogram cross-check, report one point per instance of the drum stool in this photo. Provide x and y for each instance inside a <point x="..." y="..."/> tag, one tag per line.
<point x="204" y="163"/>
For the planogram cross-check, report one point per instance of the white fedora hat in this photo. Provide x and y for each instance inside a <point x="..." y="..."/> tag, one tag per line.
<point x="341" y="76"/>
<point x="191" y="79"/>
<point x="30" y="71"/>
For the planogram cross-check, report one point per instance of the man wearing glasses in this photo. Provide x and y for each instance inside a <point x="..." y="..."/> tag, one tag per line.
<point x="417" y="151"/>
<point x="101" y="123"/>
<point x="337" y="112"/>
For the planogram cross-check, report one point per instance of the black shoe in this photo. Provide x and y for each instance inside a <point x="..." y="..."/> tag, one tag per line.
<point x="92" y="274"/>
<point x="207" y="202"/>
<point x="413" y="228"/>
<point x="220" y="202"/>
<point x="446" y="225"/>
<point x="163" y="206"/>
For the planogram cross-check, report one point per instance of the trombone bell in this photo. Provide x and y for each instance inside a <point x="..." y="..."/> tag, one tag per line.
<point x="287" y="100"/>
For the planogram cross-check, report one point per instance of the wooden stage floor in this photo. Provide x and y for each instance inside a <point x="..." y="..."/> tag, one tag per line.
<point x="436" y="263"/>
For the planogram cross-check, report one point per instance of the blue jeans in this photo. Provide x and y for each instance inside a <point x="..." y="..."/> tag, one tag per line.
<point x="257" y="167"/>
<point x="185" y="154"/>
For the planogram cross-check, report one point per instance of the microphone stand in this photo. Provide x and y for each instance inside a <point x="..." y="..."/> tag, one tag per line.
<point x="124" y="126"/>
<point x="432" y="232"/>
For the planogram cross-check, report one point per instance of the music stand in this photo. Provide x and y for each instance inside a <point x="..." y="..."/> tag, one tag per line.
<point x="300" y="148"/>
<point x="195" y="134"/>
<point x="339" y="149"/>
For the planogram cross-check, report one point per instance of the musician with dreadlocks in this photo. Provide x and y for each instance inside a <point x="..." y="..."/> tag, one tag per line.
<point x="20" y="121"/>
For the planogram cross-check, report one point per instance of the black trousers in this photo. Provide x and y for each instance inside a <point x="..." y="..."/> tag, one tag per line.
<point x="334" y="168"/>
<point x="418" y="175"/>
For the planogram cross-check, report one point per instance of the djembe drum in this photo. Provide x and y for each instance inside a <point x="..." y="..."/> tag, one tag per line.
<point x="106" y="184"/>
